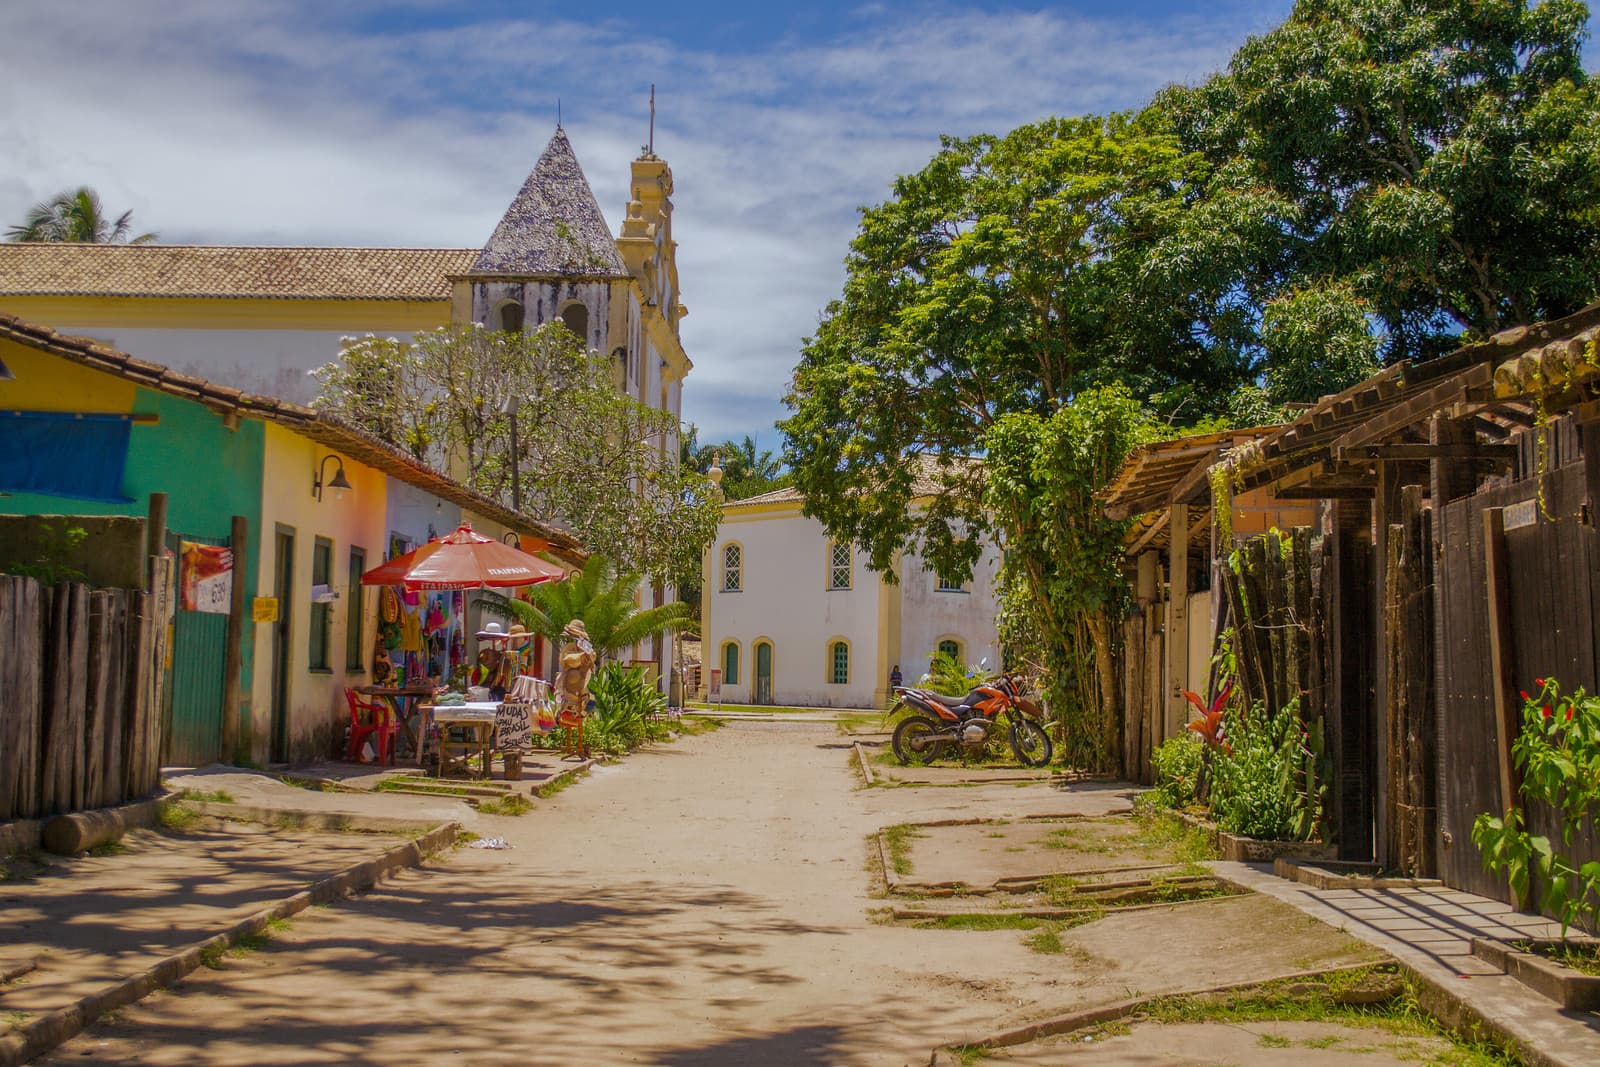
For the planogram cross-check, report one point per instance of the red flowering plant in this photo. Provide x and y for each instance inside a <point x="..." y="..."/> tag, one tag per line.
<point x="1558" y="755"/>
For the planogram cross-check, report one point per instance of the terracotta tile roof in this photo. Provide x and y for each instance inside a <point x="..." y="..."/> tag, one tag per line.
<point x="230" y="271"/>
<point x="317" y="425"/>
<point x="554" y="228"/>
<point x="927" y="480"/>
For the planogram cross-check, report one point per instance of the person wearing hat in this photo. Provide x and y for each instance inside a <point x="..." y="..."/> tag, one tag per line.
<point x="491" y="669"/>
<point x="572" y="685"/>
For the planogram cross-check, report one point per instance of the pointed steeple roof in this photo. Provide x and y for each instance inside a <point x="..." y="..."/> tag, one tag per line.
<point x="554" y="227"/>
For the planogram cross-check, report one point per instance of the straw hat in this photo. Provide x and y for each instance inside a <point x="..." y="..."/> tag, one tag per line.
<point x="575" y="628"/>
<point x="519" y="635"/>
<point x="493" y="632"/>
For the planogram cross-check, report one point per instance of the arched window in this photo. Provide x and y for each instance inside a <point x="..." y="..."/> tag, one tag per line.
<point x="511" y="316"/>
<point x="952" y="648"/>
<point x="730" y="663"/>
<point x="839" y="663"/>
<point x="576" y="318"/>
<point x="732" y="567"/>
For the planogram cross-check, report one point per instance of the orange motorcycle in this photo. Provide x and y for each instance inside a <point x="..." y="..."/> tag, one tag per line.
<point x="944" y="725"/>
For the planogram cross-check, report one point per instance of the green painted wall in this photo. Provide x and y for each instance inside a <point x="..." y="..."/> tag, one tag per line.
<point x="209" y="473"/>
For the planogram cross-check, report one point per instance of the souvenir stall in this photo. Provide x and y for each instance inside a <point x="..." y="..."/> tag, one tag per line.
<point x="421" y="646"/>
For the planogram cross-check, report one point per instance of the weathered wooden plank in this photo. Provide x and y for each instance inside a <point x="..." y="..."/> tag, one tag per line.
<point x="115" y="777"/>
<point x="96" y="691"/>
<point x="28" y="638"/>
<point x="11" y="667"/>
<point x="1502" y="666"/>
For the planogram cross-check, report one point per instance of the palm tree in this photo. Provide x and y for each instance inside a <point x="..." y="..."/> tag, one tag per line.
<point x="75" y="215"/>
<point x="603" y="599"/>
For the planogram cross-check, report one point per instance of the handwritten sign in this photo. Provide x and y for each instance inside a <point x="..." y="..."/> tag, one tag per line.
<point x="205" y="577"/>
<point x="514" y="727"/>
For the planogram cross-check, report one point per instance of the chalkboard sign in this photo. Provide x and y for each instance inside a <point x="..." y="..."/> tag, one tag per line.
<point x="514" y="727"/>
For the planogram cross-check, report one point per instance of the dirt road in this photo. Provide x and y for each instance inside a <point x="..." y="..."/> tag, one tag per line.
<point x="707" y="902"/>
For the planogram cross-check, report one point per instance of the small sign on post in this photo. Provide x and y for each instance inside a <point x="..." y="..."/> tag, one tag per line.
<point x="205" y="578"/>
<point x="714" y="691"/>
<point x="264" y="609"/>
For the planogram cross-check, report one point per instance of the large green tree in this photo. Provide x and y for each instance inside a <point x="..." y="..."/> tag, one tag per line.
<point x="1432" y="168"/>
<point x="76" y="215"/>
<point x="587" y="455"/>
<point x="1008" y="275"/>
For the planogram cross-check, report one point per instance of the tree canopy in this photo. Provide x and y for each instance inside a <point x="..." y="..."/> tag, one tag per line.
<point x="1369" y="181"/>
<point x="75" y="215"/>
<point x="602" y="598"/>
<point x="587" y="456"/>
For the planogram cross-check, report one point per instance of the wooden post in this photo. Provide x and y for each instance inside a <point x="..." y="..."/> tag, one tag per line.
<point x="233" y="650"/>
<point x="1502" y="662"/>
<point x="1385" y="507"/>
<point x="155" y="535"/>
<point x="1177" y="622"/>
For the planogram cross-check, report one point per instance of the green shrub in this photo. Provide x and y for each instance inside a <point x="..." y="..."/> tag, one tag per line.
<point x="1270" y="784"/>
<point x="1177" y="765"/>
<point x="628" y="710"/>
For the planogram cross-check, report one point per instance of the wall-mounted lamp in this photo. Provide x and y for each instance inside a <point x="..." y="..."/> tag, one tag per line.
<point x="339" y="482"/>
<point x="512" y="538"/>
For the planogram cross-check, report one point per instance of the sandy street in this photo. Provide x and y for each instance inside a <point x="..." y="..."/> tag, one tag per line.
<point x="707" y="902"/>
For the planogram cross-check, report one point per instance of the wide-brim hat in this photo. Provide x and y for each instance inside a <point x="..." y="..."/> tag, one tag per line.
<point x="493" y="632"/>
<point x="575" y="628"/>
<point x="519" y="634"/>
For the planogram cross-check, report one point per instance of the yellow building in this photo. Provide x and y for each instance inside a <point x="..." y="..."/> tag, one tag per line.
<point x="87" y="429"/>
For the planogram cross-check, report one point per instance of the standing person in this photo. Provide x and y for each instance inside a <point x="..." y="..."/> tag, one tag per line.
<point x="894" y="677"/>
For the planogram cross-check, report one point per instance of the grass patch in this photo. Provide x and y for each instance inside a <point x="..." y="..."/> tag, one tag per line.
<point x="1046" y="940"/>
<point x="110" y="848"/>
<point x="178" y="817"/>
<point x="15" y="1020"/>
<point x="897" y="841"/>
<point x="1584" y="959"/>
<point x="967" y="1055"/>
<point x="1400" y="1015"/>
<point x="203" y="796"/>
<point x="1273" y="1041"/>
<point x="510" y="804"/>
<point x="409" y="784"/>
<point x="1161" y="830"/>
<point x="692" y="727"/>
<point x="984" y="921"/>
<point x="214" y="955"/>
<point x="317" y="785"/>
<point x="551" y="788"/>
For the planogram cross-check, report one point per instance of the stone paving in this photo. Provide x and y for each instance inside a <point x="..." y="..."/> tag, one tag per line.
<point x="1431" y="931"/>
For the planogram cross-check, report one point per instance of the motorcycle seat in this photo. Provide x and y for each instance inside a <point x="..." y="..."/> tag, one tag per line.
<point x="953" y="703"/>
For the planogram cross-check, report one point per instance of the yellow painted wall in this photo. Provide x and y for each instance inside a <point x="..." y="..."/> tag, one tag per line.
<point x="46" y="382"/>
<point x="316" y="706"/>
<point x="215" y="313"/>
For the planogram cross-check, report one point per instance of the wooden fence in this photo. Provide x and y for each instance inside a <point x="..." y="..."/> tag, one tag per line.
<point x="81" y="677"/>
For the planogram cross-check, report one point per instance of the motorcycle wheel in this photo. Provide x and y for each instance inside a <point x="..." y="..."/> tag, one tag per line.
<point x="1030" y="742"/>
<point x="912" y="744"/>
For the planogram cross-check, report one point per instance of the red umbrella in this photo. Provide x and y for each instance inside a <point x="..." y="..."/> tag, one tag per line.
<point x="463" y="560"/>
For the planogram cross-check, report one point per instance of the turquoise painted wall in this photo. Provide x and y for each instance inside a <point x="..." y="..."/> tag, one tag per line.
<point x="209" y="473"/>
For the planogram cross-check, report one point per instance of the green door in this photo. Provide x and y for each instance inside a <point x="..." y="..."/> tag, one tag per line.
<point x="194" y="688"/>
<point x="763" y="673"/>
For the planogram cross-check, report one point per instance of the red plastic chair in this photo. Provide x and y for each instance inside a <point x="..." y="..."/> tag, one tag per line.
<point x="370" y="720"/>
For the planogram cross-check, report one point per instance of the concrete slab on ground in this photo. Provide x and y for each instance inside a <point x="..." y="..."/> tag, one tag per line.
<point x="92" y="919"/>
<point x="984" y="853"/>
<point x="1247" y="1044"/>
<point x="1430" y="930"/>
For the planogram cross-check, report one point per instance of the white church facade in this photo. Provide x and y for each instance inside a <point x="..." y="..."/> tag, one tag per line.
<point x="792" y="617"/>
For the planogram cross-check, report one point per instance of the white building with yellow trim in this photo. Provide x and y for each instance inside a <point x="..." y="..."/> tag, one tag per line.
<point x="791" y="617"/>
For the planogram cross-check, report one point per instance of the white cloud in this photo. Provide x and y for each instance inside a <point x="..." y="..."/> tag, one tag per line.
<point x="270" y="121"/>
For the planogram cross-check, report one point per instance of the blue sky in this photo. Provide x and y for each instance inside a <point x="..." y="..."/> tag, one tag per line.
<point x="414" y="123"/>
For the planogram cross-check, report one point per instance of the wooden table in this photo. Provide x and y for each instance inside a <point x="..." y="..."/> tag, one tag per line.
<point x="476" y="718"/>
<point x="403" y="698"/>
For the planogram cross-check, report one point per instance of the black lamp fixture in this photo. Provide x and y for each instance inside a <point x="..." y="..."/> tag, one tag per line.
<point x="339" y="483"/>
<point x="512" y="538"/>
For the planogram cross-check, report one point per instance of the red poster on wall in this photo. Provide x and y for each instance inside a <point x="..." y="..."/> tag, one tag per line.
<point x="205" y="577"/>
